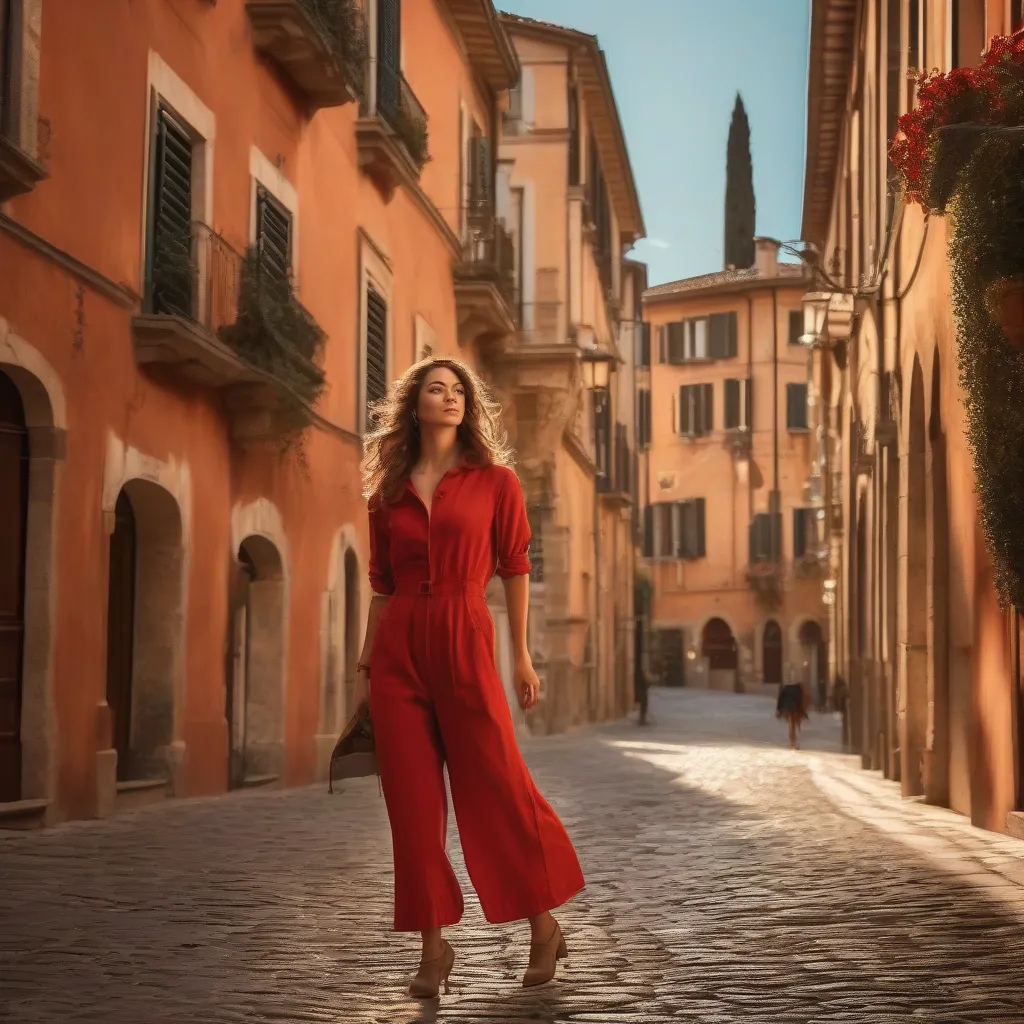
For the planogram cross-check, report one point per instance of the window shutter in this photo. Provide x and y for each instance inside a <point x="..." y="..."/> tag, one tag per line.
<point x="683" y="425"/>
<point x="707" y="408"/>
<point x="796" y="326"/>
<point x="732" y="336"/>
<point x="748" y="403"/>
<point x="376" y="346"/>
<point x="389" y="55"/>
<point x="643" y="412"/>
<point x="170" y="220"/>
<point x="645" y="344"/>
<point x="647" y="542"/>
<point x="796" y="406"/>
<point x="699" y="505"/>
<point x="273" y="237"/>
<point x="799" y="533"/>
<point x="732" y="404"/>
<point x="678" y="537"/>
<point x="662" y="343"/>
<point x="482" y="174"/>
<point x="722" y="335"/>
<point x="574" y="136"/>
<point x="676" y="342"/>
<point x="688" y="521"/>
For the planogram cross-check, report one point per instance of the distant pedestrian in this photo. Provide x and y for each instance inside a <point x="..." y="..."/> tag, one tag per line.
<point x="792" y="705"/>
<point x="822" y="684"/>
<point x="641" y="687"/>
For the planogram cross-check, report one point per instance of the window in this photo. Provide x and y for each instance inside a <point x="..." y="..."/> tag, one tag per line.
<point x="765" y="538"/>
<point x="602" y="412"/>
<point x="643" y="355"/>
<point x="389" y="57"/>
<point x="738" y="411"/>
<point x="677" y="529"/>
<point x="695" y="410"/>
<point x="722" y="335"/>
<point x="480" y="174"/>
<point x="376" y="383"/>
<point x="273" y="236"/>
<point x="643" y="418"/>
<point x="796" y="326"/>
<point x="796" y="406"/>
<point x="574" y="136"/>
<point x="170" y="283"/>
<point x="805" y="534"/>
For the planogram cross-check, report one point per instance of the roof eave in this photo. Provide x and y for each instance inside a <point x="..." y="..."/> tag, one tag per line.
<point x="492" y="54"/>
<point x="727" y="287"/>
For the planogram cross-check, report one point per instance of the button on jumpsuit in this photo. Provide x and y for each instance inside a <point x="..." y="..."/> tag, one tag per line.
<point x="436" y="698"/>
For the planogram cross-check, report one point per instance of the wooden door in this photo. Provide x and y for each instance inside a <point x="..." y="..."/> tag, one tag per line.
<point x="121" y="630"/>
<point x="13" y="525"/>
<point x="243" y="572"/>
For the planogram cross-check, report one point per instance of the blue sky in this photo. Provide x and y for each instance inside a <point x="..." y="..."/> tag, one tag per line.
<point x="676" y="66"/>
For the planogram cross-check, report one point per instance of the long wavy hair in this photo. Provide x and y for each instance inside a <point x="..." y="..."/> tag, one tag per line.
<point x="392" y="448"/>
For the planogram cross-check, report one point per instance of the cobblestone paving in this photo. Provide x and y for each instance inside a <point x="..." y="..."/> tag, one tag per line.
<point x="729" y="879"/>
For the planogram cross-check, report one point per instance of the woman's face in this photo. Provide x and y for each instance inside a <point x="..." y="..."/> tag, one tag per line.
<point x="442" y="401"/>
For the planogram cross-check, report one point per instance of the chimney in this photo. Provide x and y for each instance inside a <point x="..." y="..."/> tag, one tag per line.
<point x="766" y="257"/>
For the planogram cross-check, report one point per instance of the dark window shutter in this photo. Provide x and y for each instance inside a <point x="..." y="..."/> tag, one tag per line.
<point x="643" y="418"/>
<point x="799" y="532"/>
<point x="574" y="136"/>
<point x="732" y="404"/>
<point x="170" y="220"/>
<point x="748" y="399"/>
<point x="664" y="545"/>
<point x="722" y="335"/>
<point x="707" y="408"/>
<point x="645" y="345"/>
<point x="688" y="521"/>
<point x="376" y="346"/>
<point x="647" y="542"/>
<point x="699" y="505"/>
<point x="676" y="342"/>
<point x="389" y="55"/>
<point x="685" y="414"/>
<point x="763" y="538"/>
<point x="796" y="406"/>
<point x="273" y="238"/>
<point x="796" y="326"/>
<point x="662" y="343"/>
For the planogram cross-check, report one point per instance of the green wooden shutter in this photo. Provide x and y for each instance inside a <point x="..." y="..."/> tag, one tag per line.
<point x="707" y="423"/>
<point x="732" y="404"/>
<point x="701" y="551"/>
<point x="376" y="346"/>
<point x="171" y="278"/>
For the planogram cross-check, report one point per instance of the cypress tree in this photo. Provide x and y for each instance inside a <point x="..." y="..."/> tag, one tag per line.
<point x="740" y="208"/>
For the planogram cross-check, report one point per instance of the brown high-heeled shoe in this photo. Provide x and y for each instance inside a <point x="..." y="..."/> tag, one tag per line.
<point x="544" y="957"/>
<point x="433" y="974"/>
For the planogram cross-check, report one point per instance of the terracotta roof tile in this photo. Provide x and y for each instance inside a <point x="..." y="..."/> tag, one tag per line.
<point x="722" y="278"/>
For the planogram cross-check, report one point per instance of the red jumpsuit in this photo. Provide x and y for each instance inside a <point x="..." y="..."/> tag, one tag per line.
<point x="436" y="698"/>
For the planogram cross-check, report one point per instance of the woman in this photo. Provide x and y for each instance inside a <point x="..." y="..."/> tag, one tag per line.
<point x="446" y="511"/>
<point x="792" y="705"/>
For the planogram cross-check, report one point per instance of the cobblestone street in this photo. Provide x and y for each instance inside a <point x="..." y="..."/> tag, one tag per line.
<point x="729" y="879"/>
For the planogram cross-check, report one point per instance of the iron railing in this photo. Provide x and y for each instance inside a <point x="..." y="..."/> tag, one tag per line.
<point x="397" y="104"/>
<point x="489" y="253"/>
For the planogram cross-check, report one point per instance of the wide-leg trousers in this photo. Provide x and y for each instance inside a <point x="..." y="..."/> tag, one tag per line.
<point x="436" y="699"/>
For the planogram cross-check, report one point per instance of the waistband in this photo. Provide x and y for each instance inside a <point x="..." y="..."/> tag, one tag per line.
<point x="439" y="588"/>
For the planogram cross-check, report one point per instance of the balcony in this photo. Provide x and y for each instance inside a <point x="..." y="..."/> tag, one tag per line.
<point x="485" y="281"/>
<point x="739" y="441"/>
<point x="811" y="566"/>
<point x="321" y="45"/>
<point x="392" y="133"/>
<point x="615" y="484"/>
<point x="764" y="577"/>
<point x="20" y="172"/>
<point x="218" y="319"/>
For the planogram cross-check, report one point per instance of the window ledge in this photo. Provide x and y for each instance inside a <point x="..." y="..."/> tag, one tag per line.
<point x="19" y="173"/>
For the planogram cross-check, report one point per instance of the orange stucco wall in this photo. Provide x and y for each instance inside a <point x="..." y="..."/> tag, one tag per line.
<point x="91" y="206"/>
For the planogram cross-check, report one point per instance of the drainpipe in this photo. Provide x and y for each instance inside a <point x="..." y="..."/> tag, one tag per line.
<point x="750" y="379"/>
<point x="774" y="502"/>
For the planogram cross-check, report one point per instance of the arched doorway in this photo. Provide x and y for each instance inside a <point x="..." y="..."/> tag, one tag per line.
<point x="144" y="629"/>
<point x="353" y="628"/>
<point x="255" y="706"/>
<point x="913" y="611"/>
<point x="771" y="654"/>
<point x="813" y="667"/>
<point x="14" y="469"/>
<point x="718" y="646"/>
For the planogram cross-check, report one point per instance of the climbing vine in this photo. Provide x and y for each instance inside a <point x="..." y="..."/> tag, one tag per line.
<point x="961" y="152"/>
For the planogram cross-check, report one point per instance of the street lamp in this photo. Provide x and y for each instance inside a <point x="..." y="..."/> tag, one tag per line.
<point x="815" y="318"/>
<point x="597" y="365"/>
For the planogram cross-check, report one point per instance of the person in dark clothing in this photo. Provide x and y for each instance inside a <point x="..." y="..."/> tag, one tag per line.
<point x="792" y="705"/>
<point x="641" y="686"/>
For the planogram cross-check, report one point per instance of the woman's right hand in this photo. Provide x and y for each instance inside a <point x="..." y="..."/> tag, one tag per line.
<point x="361" y="694"/>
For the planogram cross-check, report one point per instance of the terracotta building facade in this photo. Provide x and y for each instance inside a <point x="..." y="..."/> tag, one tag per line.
<point x="731" y="540"/>
<point x="289" y="214"/>
<point x="568" y="199"/>
<point x="930" y="660"/>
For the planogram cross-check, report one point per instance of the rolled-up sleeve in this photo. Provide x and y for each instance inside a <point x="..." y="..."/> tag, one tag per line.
<point x="512" y="529"/>
<point x="381" y="580"/>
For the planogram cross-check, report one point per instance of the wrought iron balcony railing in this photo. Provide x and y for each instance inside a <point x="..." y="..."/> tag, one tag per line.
<point x="489" y="254"/>
<point x="397" y="104"/>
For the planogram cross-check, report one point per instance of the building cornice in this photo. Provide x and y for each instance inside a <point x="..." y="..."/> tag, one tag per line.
<point x="488" y="47"/>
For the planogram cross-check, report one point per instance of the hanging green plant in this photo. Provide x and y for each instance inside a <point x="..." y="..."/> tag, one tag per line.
<point x="961" y="152"/>
<point x="275" y="333"/>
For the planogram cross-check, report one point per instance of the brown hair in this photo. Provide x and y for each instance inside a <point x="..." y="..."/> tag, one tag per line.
<point x="392" y="448"/>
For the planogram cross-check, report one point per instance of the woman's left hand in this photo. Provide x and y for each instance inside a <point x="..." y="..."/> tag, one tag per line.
<point x="527" y="684"/>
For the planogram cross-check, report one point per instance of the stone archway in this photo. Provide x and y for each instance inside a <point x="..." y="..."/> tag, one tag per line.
<point x="936" y="768"/>
<point x="40" y="395"/>
<point x="771" y="654"/>
<point x="912" y="628"/>
<point x="144" y="631"/>
<point x="718" y="647"/>
<point x="257" y="704"/>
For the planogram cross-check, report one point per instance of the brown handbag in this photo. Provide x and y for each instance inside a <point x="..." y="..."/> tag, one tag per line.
<point x="354" y="755"/>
